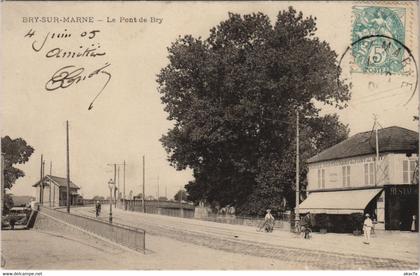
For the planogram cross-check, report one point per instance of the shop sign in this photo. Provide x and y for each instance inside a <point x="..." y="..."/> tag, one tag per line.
<point x="404" y="191"/>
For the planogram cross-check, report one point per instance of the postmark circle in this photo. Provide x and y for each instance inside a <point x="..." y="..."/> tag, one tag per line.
<point x="399" y="84"/>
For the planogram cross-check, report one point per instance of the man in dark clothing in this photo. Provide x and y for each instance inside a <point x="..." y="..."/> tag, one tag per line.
<point x="306" y="225"/>
<point x="97" y="208"/>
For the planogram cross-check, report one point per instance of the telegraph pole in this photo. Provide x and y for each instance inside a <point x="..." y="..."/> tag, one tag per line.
<point x="115" y="176"/>
<point x="53" y="200"/>
<point x="68" y="168"/>
<point x="117" y="191"/>
<point x="144" y="183"/>
<point x="158" y="191"/>
<point x="375" y="125"/>
<point x="43" y="175"/>
<point x="40" y="181"/>
<point x="125" y="207"/>
<point x="181" y="211"/>
<point x="116" y="179"/>
<point x="297" y="218"/>
<point x="49" y="195"/>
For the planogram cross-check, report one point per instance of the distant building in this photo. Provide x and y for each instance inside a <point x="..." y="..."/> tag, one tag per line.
<point x="58" y="186"/>
<point x="347" y="178"/>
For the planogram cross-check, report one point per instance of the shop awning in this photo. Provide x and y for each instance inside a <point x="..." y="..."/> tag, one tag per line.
<point x="338" y="202"/>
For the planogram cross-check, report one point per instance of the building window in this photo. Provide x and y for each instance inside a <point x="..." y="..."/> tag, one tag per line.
<point x="409" y="168"/>
<point x="321" y="178"/>
<point x="346" y="176"/>
<point x="366" y="174"/>
<point x="369" y="174"/>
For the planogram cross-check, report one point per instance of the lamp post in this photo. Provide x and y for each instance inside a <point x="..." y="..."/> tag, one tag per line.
<point x="111" y="185"/>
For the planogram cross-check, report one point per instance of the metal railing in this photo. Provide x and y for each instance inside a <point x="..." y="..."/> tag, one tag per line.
<point x="131" y="237"/>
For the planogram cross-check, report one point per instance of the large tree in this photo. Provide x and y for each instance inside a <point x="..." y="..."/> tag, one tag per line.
<point x="233" y="98"/>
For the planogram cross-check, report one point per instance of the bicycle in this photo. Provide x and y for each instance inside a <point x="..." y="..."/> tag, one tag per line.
<point x="267" y="225"/>
<point x="307" y="231"/>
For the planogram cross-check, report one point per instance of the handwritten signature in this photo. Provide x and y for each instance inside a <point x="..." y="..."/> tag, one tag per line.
<point x="69" y="75"/>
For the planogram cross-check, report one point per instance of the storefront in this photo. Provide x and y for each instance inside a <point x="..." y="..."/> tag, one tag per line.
<point x="401" y="207"/>
<point x="352" y="178"/>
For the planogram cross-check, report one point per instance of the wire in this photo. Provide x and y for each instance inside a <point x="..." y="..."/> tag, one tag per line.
<point x="379" y="98"/>
<point x="377" y="93"/>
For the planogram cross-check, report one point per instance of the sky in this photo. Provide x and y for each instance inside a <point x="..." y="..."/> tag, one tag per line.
<point x="127" y="119"/>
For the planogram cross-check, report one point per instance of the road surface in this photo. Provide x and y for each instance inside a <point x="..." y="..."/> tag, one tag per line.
<point x="388" y="250"/>
<point x="57" y="246"/>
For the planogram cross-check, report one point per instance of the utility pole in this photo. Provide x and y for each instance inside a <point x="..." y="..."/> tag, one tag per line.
<point x="68" y="168"/>
<point x="53" y="195"/>
<point x="115" y="176"/>
<point x="144" y="183"/>
<point x="125" y="207"/>
<point x="40" y="181"/>
<point x="375" y="125"/>
<point x="181" y="211"/>
<point x="158" y="191"/>
<point x="297" y="218"/>
<point x="43" y="176"/>
<point x="117" y="191"/>
<point x="116" y="179"/>
<point x="49" y="195"/>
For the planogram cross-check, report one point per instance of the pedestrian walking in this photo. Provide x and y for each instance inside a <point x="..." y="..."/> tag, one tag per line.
<point x="413" y="224"/>
<point x="306" y="225"/>
<point x="97" y="208"/>
<point x="367" y="228"/>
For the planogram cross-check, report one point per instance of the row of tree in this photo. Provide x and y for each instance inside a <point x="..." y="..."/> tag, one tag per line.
<point x="233" y="98"/>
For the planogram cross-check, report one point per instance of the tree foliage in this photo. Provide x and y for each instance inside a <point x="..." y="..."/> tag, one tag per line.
<point x="233" y="99"/>
<point x="15" y="151"/>
<point x="181" y="194"/>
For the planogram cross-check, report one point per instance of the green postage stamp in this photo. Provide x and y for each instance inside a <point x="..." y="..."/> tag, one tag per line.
<point x="378" y="36"/>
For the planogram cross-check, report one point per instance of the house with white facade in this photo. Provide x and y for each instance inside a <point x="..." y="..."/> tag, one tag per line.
<point x="375" y="173"/>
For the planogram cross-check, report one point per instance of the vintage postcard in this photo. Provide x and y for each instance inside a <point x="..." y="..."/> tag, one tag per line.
<point x="266" y="135"/>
